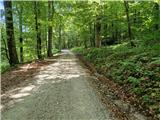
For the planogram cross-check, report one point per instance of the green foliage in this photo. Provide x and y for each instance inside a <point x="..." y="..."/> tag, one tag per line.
<point x="146" y="99"/>
<point x="136" y="67"/>
<point x="4" y="66"/>
<point x="77" y="50"/>
<point x="54" y="51"/>
<point x="138" y="90"/>
<point x="156" y="60"/>
<point x="134" y="81"/>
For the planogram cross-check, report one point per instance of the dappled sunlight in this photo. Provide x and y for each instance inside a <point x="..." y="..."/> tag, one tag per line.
<point x="28" y="88"/>
<point x="65" y="78"/>
<point x="14" y="90"/>
<point x="19" y="95"/>
<point x="68" y="60"/>
<point x="16" y="95"/>
<point x="63" y="69"/>
<point x="1" y="107"/>
<point x="118" y="46"/>
<point x="59" y="72"/>
<point x="25" y="67"/>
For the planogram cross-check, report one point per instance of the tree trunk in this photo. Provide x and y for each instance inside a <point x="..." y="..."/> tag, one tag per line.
<point x="97" y="36"/>
<point x="50" y="15"/>
<point x="38" y="32"/>
<point x="20" y="30"/>
<point x="59" y="32"/>
<point x="156" y="26"/>
<point x="156" y="15"/>
<point x="128" y="22"/>
<point x="91" y="37"/>
<point x="13" y="57"/>
<point x="5" y="45"/>
<point x="94" y="34"/>
<point x="113" y="38"/>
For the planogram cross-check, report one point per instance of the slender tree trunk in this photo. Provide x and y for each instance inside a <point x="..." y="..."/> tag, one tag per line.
<point x="20" y="30"/>
<point x="113" y="38"/>
<point x="5" y="45"/>
<point x="97" y="36"/>
<point x="156" y="15"/>
<point x="38" y="32"/>
<point x="13" y="57"/>
<point x="60" y="30"/>
<point x="91" y="36"/>
<point x="116" y="34"/>
<point x="50" y="15"/>
<point x="45" y="38"/>
<point x="94" y="34"/>
<point x="156" y="11"/>
<point x="128" y="22"/>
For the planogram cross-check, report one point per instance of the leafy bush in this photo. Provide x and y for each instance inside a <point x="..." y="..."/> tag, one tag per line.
<point x="54" y="51"/>
<point x="78" y="50"/>
<point x="4" y="66"/>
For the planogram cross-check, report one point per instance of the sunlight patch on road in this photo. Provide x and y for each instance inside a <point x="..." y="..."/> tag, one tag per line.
<point x="19" y="95"/>
<point x="28" y="88"/>
<point x="16" y="95"/>
<point x="63" y="70"/>
<point x="23" y="92"/>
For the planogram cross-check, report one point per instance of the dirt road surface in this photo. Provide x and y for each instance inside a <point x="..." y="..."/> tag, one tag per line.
<point x="60" y="91"/>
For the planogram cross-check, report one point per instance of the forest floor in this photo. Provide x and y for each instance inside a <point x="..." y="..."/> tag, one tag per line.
<point x="60" y="88"/>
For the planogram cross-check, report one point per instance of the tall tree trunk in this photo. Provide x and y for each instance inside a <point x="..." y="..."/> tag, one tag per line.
<point x="38" y="32"/>
<point x="60" y="36"/>
<point x="13" y="57"/>
<point x="91" y="37"/>
<point x="156" y="15"/>
<point x="20" y="30"/>
<point x="113" y="38"/>
<point x="128" y="22"/>
<point x="5" y="45"/>
<point x="94" y="34"/>
<point x="50" y="15"/>
<point x="156" y="11"/>
<point x="97" y="36"/>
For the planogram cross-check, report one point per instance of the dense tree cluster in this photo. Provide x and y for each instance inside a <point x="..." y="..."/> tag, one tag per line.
<point x="33" y="29"/>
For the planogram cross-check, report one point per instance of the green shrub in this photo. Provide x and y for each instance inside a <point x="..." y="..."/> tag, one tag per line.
<point x="137" y="67"/>
<point x="4" y="66"/>
<point x="54" y="51"/>
<point x="134" y="81"/>
<point x="78" y="50"/>
<point x="138" y="90"/>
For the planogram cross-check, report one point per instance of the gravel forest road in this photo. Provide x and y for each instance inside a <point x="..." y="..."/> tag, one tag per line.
<point x="60" y="91"/>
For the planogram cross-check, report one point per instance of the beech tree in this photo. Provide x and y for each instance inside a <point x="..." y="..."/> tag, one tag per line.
<point x="37" y="26"/>
<point x="43" y="27"/>
<point x="20" y="13"/>
<point x="13" y="57"/>
<point x="50" y="30"/>
<point x="128" y="22"/>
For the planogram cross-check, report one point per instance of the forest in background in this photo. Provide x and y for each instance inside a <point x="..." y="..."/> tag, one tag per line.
<point x="120" y="38"/>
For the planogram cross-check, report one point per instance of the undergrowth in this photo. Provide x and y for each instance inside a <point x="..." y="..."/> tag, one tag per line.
<point x="4" y="64"/>
<point x="137" y="69"/>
